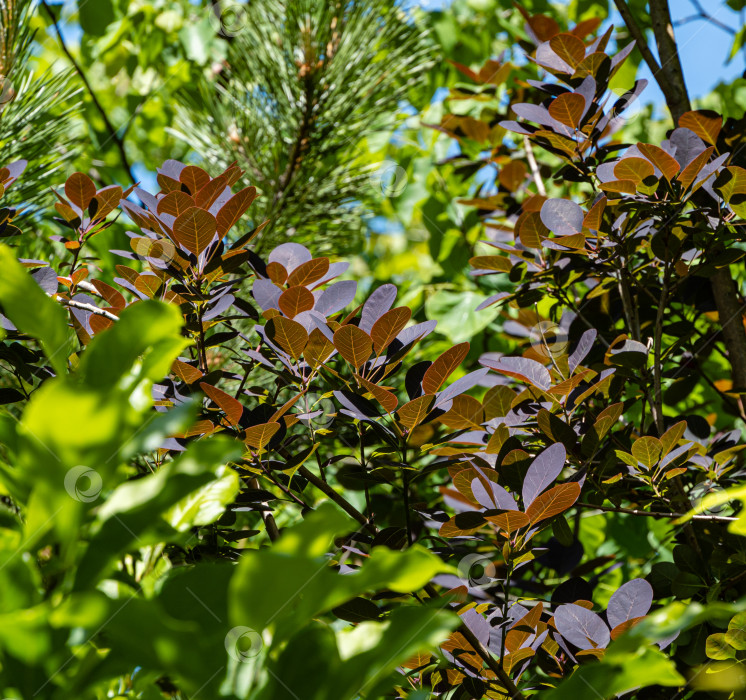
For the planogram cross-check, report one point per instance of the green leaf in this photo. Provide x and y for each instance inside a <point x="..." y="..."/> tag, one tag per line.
<point x="96" y="16"/>
<point x="33" y="312"/>
<point x="456" y="314"/>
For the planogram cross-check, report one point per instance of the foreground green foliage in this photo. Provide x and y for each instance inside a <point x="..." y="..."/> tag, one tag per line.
<point x="229" y="470"/>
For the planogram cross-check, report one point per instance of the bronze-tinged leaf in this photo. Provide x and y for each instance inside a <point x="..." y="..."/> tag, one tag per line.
<point x="569" y="48"/>
<point x="186" y="372"/>
<point x="497" y="401"/>
<point x="232" y="174"/>
<point x="531" y="229"/>
<point x="234" y="209"/>
<point x="230" y="406"/>
<point x="689" y="174"/>
<point x="671" y="437"/>
<point x="497" y="439"/>
<point x="194" y="178"/>
<point x="288" y="335"/>
<point x="175" y="203"/>
<point x="108" y="199"/>
<point x="553" y="502"/>
<point x="386" y="328"/>
<point x="543" y="26"/>
<point x="594" y="217"/>
<point x="309" y="272"/>
<point x="411" y="414"/>
<point x="280" y="412"/>
<point x="353" y="344"/>
<point x="111" y="295"/>
<point x="466" y="412"/>
<point x="512" y="175"/>
<point x="703" y="122"/>
<point x="386" y="398"/>
<point x="619" y="186"/>
<point x="622" y="627"/>
<point x="647" y="450"/>
<point x="201" y="427"/>
<point x="567" y="109"/>
<point x="591" y="65"/>
<point x="65" y="211"/>
<point x="99" y="323"/>
<point x="294" y="300"/>
<point x="509" y="521"/>
<point x="498" y="263"/>
<point x="258" y="436"/>
<point x="194" y="229"/>
<point x="319" y="348"/>
<point x="277" y="273"/>
<point x="80" y="190"/>
<point x="443" y="367"/>
<point x="666" y="163"/>
<point x="418" y="660"/>
<point x="524" y="628"/>
<point x="168" y="184"/>
<point x="149" y="285"/>
<point x="635" y="169"/>
<point x="451" y="529"/>
<point x="206" y="197"/>
<point x="128" y="273"/>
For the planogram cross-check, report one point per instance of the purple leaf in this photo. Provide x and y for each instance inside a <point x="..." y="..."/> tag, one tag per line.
<point x="584" y="347"/>
<point x="377" y="305"/>
<point x="266" y="293"/>
<point x="492" y="300"/>
<point x="587" y="89"/>
<point x="499" y="498"/>
<point x="546" y="56"/>
<point x="581" y="627"/>
<point x="46" y="278"/>
<point x="562" y="216"/>
<point x="516" y="128"/>
<point x="221" y="305"/>
<point x="543" y="471"/>
<point x="461" y="385"/>
<point x="335" y="297"/>
<point x="619" y="57"/>
<point x="633" y="599"/>
<point x="416" y="332"/>
<point x="521" y="367"/>
<point x="687" y="144"/>
<point x="335" y="270"/>
<point x="172" y="168"/>
<point x="290" y="255"/>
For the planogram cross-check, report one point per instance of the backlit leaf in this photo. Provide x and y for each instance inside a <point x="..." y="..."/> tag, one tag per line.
<point x="194" y="229"/>
<point x="386" y="398"/>
<point x="567" y="109"/>
<point x="635" y="169"/>
<point x="413" y="413"/>
<point x="553" y="502"/>
<point x="703" y="122"/>
<point x="465" y="412"/>
<point x="232" y="408"/>
<point x="234" y="209"/>
<point x="647" y="450"/>
<point x="666" y="163"/>
<point x="353" y="344"/>
<point x="569" y="48"/>
<point x="295" y="300"/>
<point x="309" y="272"/>
<point x="258" y="436"/>
<point x="443" y="367"/>
<point x="80" y="189"/>
<point x="386" y="328"/>
<point x="289" y="335"/>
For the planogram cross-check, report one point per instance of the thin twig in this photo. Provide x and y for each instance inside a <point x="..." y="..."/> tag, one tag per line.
<point x="649" y="514"/>
<point x="534" y="167"/>
<point x="90" y="308"/>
